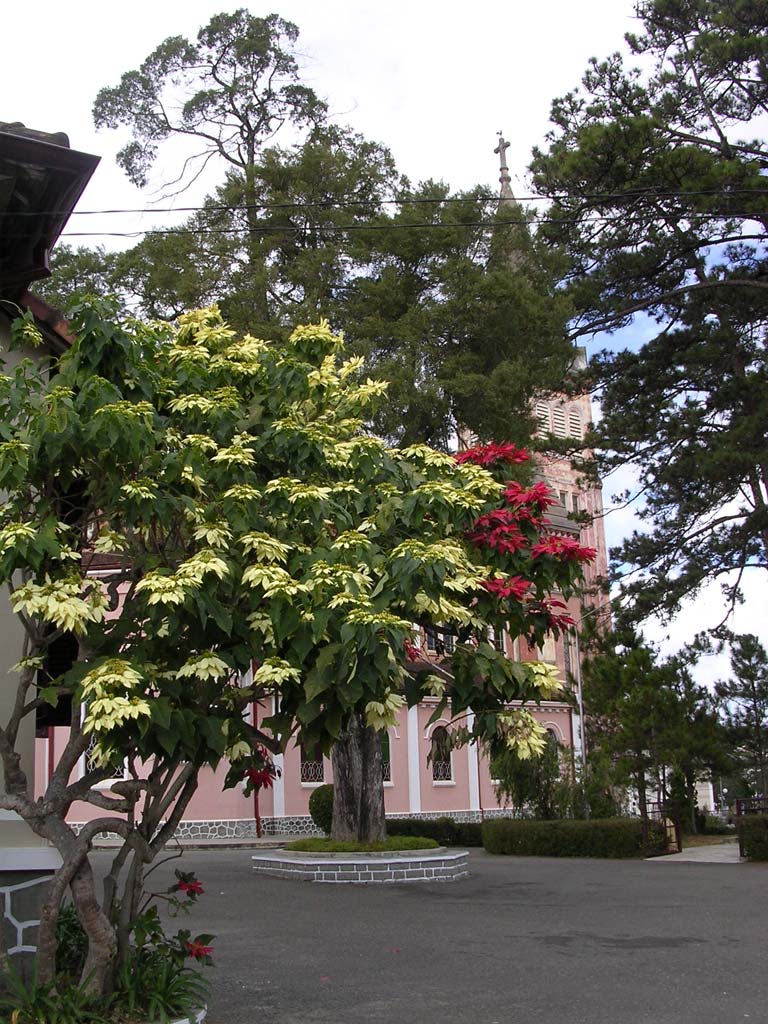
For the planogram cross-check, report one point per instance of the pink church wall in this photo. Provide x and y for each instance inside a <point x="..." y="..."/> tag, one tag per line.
<point x="440" y="796"/>
<point x="211" y="803"/>
<point x="396" y="791"/>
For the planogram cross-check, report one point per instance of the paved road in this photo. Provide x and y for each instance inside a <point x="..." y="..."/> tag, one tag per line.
<point x="528" y="940"/>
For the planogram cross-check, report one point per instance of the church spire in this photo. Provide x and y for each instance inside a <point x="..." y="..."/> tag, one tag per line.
<point x="504" y="178"/>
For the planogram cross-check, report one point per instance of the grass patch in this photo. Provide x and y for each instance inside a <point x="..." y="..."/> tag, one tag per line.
<point x="393" y="844"/>
<point x="706" y="840"/>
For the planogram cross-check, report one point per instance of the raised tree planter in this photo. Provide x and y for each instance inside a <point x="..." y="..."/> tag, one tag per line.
<point x="436" y="865"/>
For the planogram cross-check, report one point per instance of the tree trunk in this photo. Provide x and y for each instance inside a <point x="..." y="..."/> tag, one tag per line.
<point x="642" y="798"/>
<point x="102" y="941"/>
<point x="358" y="785"/>
<point x="690" y="799"/>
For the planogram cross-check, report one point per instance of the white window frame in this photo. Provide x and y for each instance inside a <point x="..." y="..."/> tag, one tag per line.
<point x="442" y="783"/>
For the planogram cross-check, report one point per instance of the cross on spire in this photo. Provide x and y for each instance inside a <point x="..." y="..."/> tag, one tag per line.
<point x="504" y="178"/>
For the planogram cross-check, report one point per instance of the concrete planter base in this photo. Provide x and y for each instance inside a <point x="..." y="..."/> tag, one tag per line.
<point x="436" y="865"/>
<point x="196" y="1017"/>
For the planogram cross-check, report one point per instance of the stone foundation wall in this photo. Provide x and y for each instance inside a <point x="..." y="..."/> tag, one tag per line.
<point x="299" y="825"/>
<point x="21" y="896"/>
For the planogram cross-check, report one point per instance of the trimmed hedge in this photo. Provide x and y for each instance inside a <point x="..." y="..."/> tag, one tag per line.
<point x="753" y="832"/>
<point x="321" y="807"/>
<point x="608" y="837"/>
<point x="445" y="831"/>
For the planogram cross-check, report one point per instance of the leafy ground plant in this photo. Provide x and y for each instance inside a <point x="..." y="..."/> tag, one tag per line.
<point x="155" y="981"/>
<point x="45" y="1002"/>
<point x="393" y="843"/>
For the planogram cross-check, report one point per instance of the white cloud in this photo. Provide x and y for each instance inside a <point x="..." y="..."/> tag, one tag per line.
<point x="704" y="613"/>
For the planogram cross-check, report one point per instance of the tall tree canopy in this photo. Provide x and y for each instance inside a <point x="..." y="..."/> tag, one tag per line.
<point x="647" y="719"/>
<point x="659" y="194"/>
<point x="422" y="280"/>
<point x="245" y="516"/>
<point x="229" y="92"/>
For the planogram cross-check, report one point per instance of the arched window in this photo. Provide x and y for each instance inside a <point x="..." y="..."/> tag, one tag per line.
<point x="386" y="758"/>
<point x="553" y="745"/>
<point x="312" y="769"/>
<point x="441" y="755"/>
<point x="548" y="651"/>
<point x="574" y="422"/>
<point x="496" y="638"/>
<point x="90" y="762"/>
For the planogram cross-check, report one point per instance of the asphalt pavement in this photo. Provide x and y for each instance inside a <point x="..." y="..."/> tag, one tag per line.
<point x="528" y="940"/>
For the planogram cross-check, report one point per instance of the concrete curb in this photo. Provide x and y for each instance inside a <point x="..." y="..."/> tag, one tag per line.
<point x="363" y="868"/>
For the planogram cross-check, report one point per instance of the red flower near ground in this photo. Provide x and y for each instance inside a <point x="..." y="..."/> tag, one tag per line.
<point x="487" y="454"/>
<point x="260" y="778"/>
<point x="197" y="950"/>
<point x="195" y="888"/>
<point x="563" y="547"/>
<point x="515" y="587"/>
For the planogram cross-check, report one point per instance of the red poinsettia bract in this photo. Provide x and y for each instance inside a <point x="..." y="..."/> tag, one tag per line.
<point x="260" y="778"/>
<point x="487" y="454"/>
<point x="556" y="619"/>
<point x="537" y="496"/>
<point x="515" y="587"/>
<point x="411" y="650"/>
<point x="565" y="548"/>
<point x="197" y="950"/>
<point x="499" y="530"/>
<point x="194" y="888"/>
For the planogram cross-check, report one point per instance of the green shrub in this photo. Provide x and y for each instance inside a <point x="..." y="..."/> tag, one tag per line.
<point x="468" y="833"/>
<point x="316" y="845"/>
<point x="753" y="832"/>
<point x="71" y="942"/>
<point x="608" y="837"/>
<point x="321" y="807"/>
<point x="717" y="827"/>
<point x="445" y="831"/>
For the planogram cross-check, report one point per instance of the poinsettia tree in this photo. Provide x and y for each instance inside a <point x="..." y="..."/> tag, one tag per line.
<point x="245" y="526"/>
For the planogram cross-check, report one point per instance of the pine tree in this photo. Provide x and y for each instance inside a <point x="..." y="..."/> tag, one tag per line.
<point x="658" y="193"/>
<point x="745" y="710"/>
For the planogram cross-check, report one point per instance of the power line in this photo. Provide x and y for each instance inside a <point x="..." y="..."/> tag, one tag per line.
<point x="283" y="229"/>
<point x="348" y="203"/>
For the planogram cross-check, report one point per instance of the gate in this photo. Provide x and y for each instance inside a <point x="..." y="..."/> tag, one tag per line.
<point x="670" y="814"/>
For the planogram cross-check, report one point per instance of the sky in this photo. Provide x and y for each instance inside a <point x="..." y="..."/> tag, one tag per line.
<point x="434" y="81"/>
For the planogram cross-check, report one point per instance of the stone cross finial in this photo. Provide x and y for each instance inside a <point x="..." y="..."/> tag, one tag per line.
<point x="504" y="178"/>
